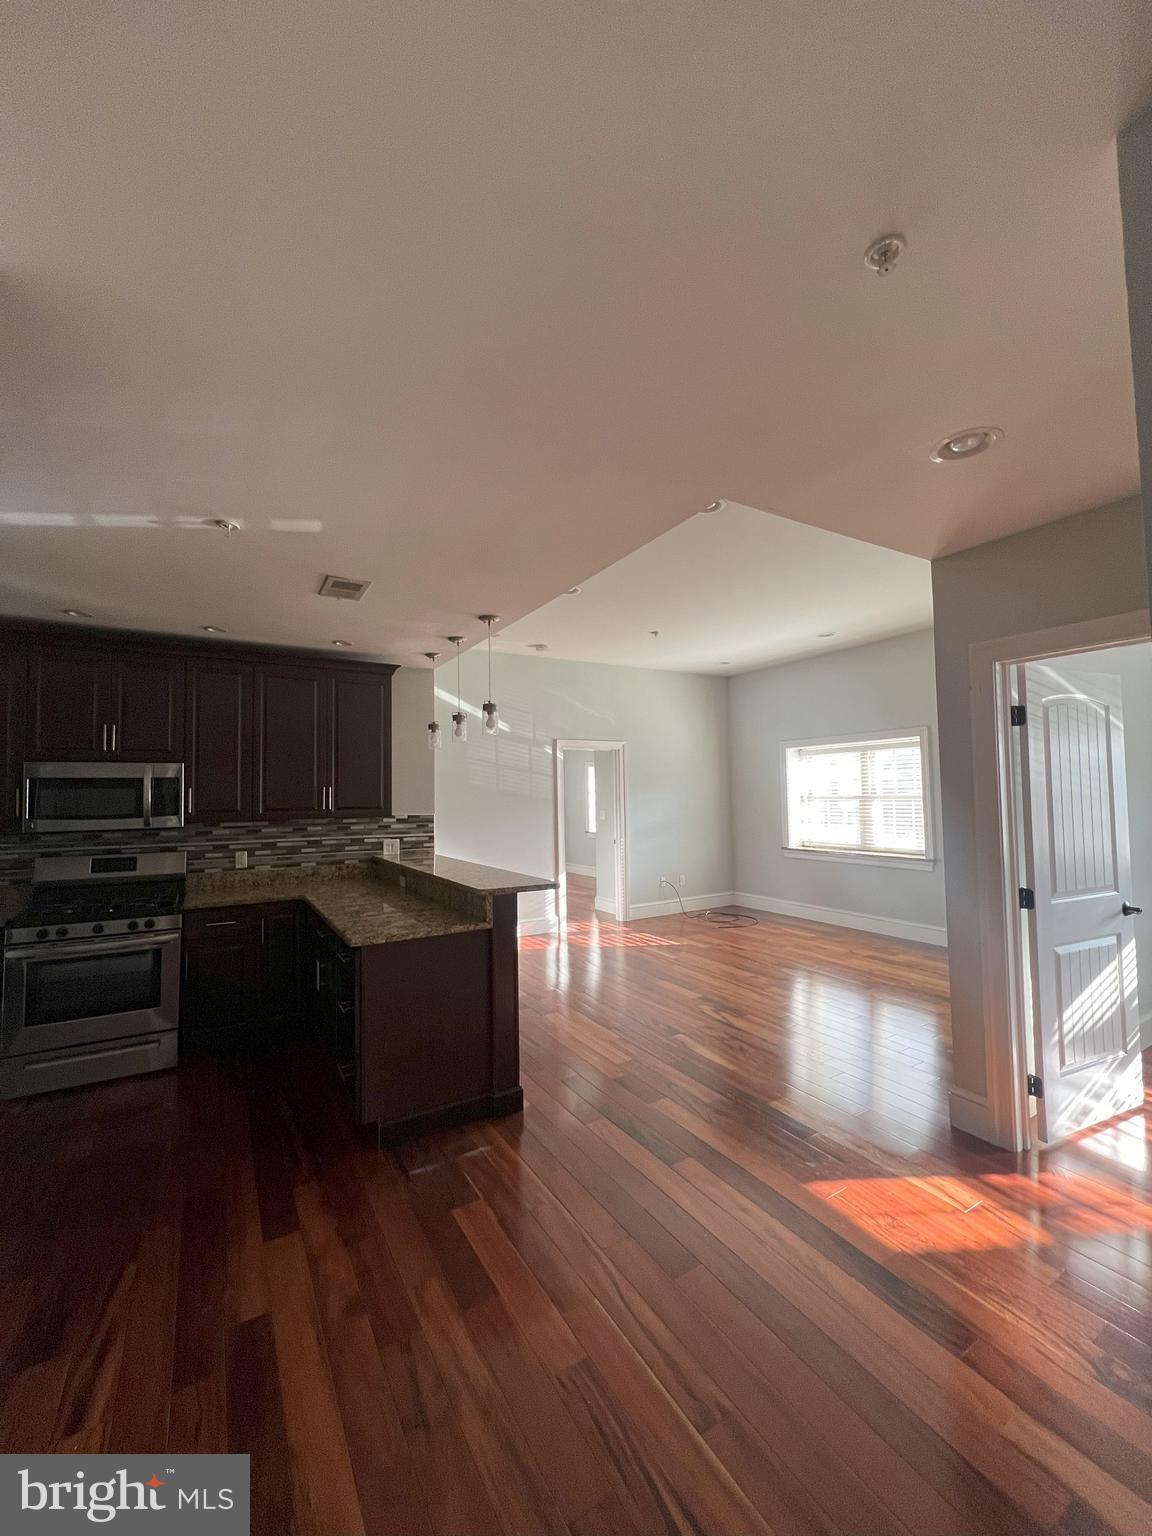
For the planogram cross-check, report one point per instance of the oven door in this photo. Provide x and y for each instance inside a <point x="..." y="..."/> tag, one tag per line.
<point x="86" y="797"/>
<point x="78" y="993"/>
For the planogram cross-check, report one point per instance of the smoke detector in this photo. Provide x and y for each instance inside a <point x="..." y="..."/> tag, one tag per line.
<point x="344" y="586"/>
<point x="883" y="254"/>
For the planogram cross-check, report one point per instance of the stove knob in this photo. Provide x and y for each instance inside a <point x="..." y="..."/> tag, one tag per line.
<point x="61" y="933"/>
<point x="97" y="927"/>
<point x="42" y="933"/>
<point x="133" y="925"/>
<point x="149" y="922"/>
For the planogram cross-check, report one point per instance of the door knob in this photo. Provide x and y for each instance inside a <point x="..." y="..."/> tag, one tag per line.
<point x="1130" y="911"/>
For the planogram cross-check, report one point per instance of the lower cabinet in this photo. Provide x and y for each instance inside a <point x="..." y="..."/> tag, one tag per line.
<point x="331" y="977"/>
<point x="242" y="972"/>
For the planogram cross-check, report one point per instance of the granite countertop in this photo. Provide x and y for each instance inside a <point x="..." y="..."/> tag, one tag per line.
<point x="481" y="878"/>
<point x="360" y="908"/>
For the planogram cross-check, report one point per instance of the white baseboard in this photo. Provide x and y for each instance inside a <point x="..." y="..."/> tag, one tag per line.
<point x="972" y="1112"/>
<point x="579" y="869"/>
<point x="670" y="908"/>
<point x="607" y="907"/>
<point x="894" y="928"/>
<point x="529" y="925"/>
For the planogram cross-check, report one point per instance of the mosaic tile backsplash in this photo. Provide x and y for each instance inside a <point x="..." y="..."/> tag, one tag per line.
<point x="278" y="845"/>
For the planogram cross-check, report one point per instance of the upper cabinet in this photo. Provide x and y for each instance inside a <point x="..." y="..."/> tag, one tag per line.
<point x="87" y="705"/>
<point x="291" y="741"/>
<point x="12" y="695"/>
<point x="360" y="710"/>
<point x="263" y="736"/>
<point x="323" y="742"/>
<point x="218" y="761"/>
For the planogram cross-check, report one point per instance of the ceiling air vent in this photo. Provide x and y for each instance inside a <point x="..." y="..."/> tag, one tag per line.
<point x="344" y="586"/>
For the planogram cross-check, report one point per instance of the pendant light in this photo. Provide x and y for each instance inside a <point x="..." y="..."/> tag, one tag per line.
<point x="459" y="719"/>
<point x="435" y="735"/>
<point x="491" y="713"/>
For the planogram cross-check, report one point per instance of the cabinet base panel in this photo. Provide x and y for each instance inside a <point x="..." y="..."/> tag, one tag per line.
<point x="490" y="1106"/>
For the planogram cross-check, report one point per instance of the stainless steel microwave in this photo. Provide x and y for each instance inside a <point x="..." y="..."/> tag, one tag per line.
<point x="102" y="797"/>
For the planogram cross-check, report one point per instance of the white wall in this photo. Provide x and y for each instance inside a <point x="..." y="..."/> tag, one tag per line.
<point x="494" y="797"/>
<point x="579" y="845"/>
<point x="1080" y="568"/>
<point x="1133" y="665"/>
<point x="872" y="688"/>
<point x="1134" y="166"/>
<point x="413" y="776"/>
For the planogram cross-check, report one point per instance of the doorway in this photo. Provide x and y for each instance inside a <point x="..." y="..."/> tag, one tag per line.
<point x="591" y="862"/>
<point x="1078" y="749"/>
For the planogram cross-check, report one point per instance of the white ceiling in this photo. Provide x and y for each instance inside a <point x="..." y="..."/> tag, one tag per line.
<point x="738" y="587"/>
<point x="475" y="300"/>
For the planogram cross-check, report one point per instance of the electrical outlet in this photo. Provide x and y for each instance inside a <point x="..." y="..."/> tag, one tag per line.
<point x="241" y="858"/>
<point x="683" y="879"/>
<point x="391" y="846"/>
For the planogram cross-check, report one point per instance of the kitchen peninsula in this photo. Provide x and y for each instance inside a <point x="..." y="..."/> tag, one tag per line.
<point x="404" y="970"/>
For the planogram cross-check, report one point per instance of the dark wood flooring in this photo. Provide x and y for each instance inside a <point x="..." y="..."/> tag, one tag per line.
<point x="730" y="1272"/>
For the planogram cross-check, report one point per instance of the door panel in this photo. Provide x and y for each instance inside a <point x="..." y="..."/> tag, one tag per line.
<point x="1078" y="863"/>
<point x="13" y="683"/>
<point x="68" y="705"/>
<point x="219" y="744"/>
<point x="361" y="745"/>
<point x="148" y="709"/>
<point x="292" y="737"/>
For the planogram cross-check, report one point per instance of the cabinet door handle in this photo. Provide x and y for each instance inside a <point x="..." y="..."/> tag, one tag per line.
<point x="224" y="922"/>
<point x="113" y="736"/>
<point x="317" y="975"/>
<point x="263" y="930"/>
<point x="104" y="738"/>
<point x="189" y="811"/>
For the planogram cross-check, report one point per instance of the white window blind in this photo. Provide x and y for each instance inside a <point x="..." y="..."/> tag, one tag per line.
<point x="858" y="797"/>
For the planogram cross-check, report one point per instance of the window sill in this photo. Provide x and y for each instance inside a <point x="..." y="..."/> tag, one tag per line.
<point x="881" y="860"/>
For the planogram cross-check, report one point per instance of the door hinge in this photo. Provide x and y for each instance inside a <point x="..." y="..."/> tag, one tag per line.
<point x="1027" y="899"/>
<point x="1019" y="714"/>
<point x="1035" y="1086"/>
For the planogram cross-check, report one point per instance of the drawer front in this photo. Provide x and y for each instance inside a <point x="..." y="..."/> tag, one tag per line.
<point x="51" y="1070"/>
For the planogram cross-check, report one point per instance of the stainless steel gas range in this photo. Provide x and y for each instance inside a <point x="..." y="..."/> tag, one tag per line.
<point x="91" y="971"/>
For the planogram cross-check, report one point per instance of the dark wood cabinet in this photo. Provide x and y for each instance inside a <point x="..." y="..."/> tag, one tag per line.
<point x="91" y="705"/>
<point x="265" y="736"/>
<point x="12" y="697"/>
<point x="360" y="711"/>
<point x="67" y="705"/>
<point x="291" y="742"/>
<point x="146" y="708"/>
<point x="323" y="742"/>
<point x="218" y="760"/>
<point x="242" y="972"/>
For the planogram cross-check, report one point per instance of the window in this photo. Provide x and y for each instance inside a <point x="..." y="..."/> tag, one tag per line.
<point x="590" y="799"/>
<point x="863" y="799"/>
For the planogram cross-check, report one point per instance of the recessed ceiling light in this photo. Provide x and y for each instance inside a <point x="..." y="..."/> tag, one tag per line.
<point x="725" y="663"/>
<point x="75" y="613"/>
<point x="213" y="629"/>
<point x="826" y="634"/>
<point x="344" y="644"/>
<point x="225" y="526"/>
<point x="539" y="646"/>
<point x="572" y="591"/>
<point x="883" y="254"/>
<point x="715" y="506"/>
<point x="966" y="444"/>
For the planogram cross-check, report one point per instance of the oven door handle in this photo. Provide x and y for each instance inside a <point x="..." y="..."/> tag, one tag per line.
<point x="104" y="947"/>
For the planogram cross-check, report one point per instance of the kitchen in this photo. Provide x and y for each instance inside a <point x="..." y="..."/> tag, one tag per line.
<point x="198" y="854"/>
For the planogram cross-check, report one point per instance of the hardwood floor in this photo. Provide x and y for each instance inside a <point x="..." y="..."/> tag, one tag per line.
<point x="728" y="1273"/>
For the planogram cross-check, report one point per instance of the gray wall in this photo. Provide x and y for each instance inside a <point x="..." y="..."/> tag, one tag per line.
<point x="1080" y="568"/>
<point x="494" y="797"/>
<point x="579" y="846"/>
<point x="886" y="686"/>
<point x="413" y="776"/>
<point x="1134" y="164"/>
<point x="1133" y="665"/>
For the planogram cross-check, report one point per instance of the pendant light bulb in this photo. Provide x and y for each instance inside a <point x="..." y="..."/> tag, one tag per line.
<point x="435" y="736"/>
<point x="459" y="718"/>
<point x="490" y="712"/>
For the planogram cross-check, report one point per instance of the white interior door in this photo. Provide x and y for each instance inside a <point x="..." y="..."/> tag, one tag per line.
<point x="1078" y="866"/>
